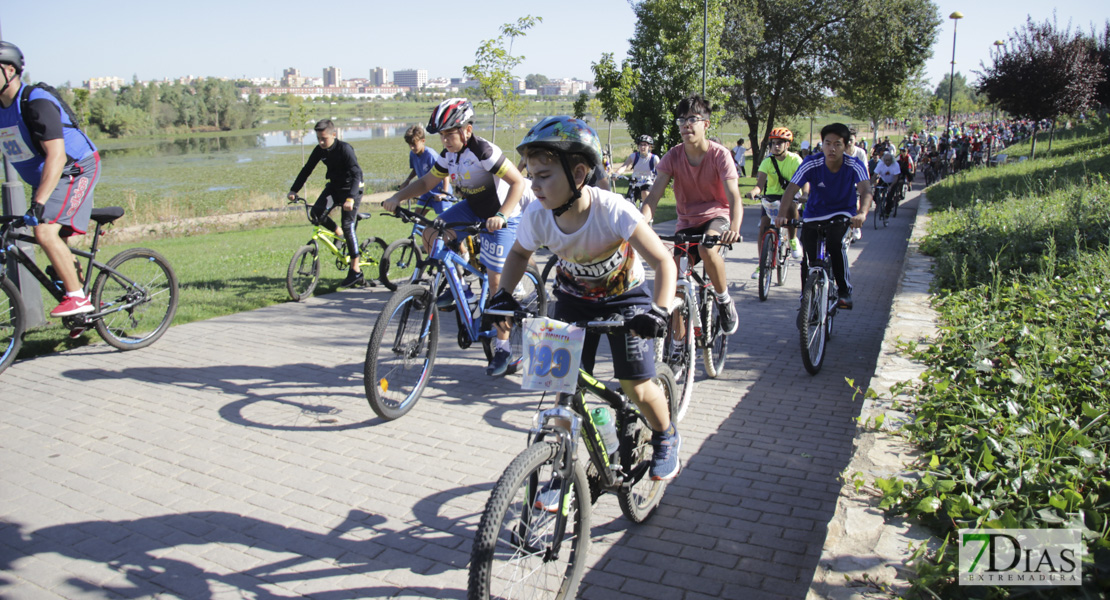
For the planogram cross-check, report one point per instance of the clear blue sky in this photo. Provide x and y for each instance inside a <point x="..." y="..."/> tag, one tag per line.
<point x="233" y="38"/>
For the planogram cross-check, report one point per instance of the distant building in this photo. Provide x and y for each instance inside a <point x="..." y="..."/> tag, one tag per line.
<point x="332" y="77"/>
<point x="97" y="83"/>
<point x="291" y="78"/>
<point x="411" y="78"/>
<point x="316" y="92"/>
<point x="379" y="76"/>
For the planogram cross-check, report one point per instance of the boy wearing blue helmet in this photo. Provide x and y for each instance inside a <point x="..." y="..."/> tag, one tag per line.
<point x="598" y="237"/>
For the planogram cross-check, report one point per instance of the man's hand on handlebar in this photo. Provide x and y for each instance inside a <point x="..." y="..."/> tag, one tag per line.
<point x="730" y="237"/>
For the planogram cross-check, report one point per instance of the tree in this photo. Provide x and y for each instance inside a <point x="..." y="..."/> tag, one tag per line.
<point x="786" y="53"/>
<point x="1100" y="49"/>
<point x="493" y="65"/>
<point x="581" y="105"/>
<point x="965" y="99"/>
<point x="666" y="52"/>
<point x="535" y="81"/>
<point x="1042" y="72"/>
<point x="298" y="115"/>
<point x="614" y="91"/>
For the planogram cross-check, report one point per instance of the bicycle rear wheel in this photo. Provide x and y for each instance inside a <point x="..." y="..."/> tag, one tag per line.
<point x="767" y="250"/>
<point x="401" y="352"/>
<point x="510" y="557"/>
<point x="715" y="339"/>
<point x="142" y="291"/>
<point x="639" y="500"/>
<point x="813" y="333"/>
<point x="784" y="263"/>
<point x="304" y="272"/>
<point x="400" y="263"/>
<point x="370" y="254"/>
<point x="12" y="322"/>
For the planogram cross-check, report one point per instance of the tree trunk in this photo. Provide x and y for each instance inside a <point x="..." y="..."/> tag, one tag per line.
<point x="1051" y="134"/>
<point x="493" y="134"/>
<point x="1033" y="143"/>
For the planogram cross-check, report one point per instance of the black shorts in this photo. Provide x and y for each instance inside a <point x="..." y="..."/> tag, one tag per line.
<point x="633" y="357"/>
<point x="714" y="226"/>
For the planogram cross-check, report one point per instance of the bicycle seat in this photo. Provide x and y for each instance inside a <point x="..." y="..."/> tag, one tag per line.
<point x="362" y="216"/>
<point x="106" y="215"/>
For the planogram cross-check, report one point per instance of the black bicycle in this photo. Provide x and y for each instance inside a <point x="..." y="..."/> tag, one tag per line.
<point x="134" y="294"/>
<point x="819" y="299"/>
<point x="534" y="536"/>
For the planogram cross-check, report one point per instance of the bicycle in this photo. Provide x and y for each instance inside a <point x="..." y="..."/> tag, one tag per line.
<point x="694" y="296"/>
<point x="774" y="253"/>
<point x="636" y="185"/>
<point x="304" y="268"/>
<point x="402" y="347"/>
<point x="399" y="261"/>
<point x="817" y="315"/>
<point x="882" y="211"/>
<point x="534" y="536"/>
<point x="134" y="295"/>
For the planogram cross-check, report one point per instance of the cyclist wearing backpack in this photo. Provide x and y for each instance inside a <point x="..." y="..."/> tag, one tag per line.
<point x="642" y="164"/>
<point x="40" y="136"/>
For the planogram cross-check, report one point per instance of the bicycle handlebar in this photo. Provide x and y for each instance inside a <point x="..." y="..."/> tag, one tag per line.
<point x="408" y="216"/>
<point x="702" y="238"/>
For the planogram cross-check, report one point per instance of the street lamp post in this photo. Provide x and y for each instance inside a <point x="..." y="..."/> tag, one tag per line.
<point x="956" y="16"/>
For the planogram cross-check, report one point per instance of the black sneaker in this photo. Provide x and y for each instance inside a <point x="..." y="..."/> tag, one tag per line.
<point x="353" y="279"/>
<point x="729" y="320"/>
<point x="499" y="364"/>
<point x="844" y="301"/>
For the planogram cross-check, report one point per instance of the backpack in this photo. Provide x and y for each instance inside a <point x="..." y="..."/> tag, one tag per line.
<point x="654" y="160"/>
<point x="25" y="96"/>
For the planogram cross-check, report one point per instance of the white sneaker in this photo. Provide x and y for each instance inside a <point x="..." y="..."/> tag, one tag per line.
<point x="755" y="274"/>
<point x="795" y="249"/>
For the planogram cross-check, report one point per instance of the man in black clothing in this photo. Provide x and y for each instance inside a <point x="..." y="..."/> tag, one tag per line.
<point x="344" y="187"/>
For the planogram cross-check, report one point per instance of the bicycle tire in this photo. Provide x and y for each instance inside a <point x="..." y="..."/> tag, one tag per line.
<point x="682" y="365"/>
<point x="370" y="254"/>
<point x="303" y="273"/>
<point x="783" y="265"/>
<point x="767" y="250"/>
<point x="400" y="264"/>
<point x="639" y="500"/>
<point x="532" y="296"/>
<point x="13" y="322"/>
<point x="878" y="212"/>
<point x="548" y="274"/>
<point x="715" y="339"/>
<point x="515" y="536"/>
<point x="150" y="287"/>
<point x="894" y="209"/>
<point x="813" y="334"/>
<point x="395" y="377"/>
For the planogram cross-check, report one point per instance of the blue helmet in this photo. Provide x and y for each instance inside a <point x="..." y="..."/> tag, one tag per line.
<point x="564" y="134"/>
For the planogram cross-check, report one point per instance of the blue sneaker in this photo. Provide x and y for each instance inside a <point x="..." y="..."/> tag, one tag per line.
<point x="499" y="364"/>
<point x="665" y="462"/>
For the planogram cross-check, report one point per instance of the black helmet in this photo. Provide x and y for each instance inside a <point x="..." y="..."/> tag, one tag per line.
<point x="451" y="113"/>
<point x="645" y="139"/>
<point x="9" y="53"/>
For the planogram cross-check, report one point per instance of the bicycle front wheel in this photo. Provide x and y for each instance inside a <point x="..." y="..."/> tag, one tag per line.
<point x="138" y="291"/>
<point x="304" y="272"/>
<point x="513" y="554"/>
<point x="715" y="338"/>
<point x="400" y="263"/>
<point x="767" y="251"/>
<point x="639" y="500"/>
<point x="679" y="352"/>
<point x="401" y="352"/>
<point x="12" y="322"/>
<point x="813" y="333"/>
<point x="784" y="263"/>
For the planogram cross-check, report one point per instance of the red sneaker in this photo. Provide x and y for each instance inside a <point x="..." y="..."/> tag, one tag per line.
<point x="72" y="306"/>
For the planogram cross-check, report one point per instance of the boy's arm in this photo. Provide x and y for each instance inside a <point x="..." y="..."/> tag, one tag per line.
<point x="419" y="187"/>
<point x="760" y="183"/>
<point x="645" y="241"/>
<point x="787" y="203"/>
<point x="735" y="210"/>
<point x="653" y="197"/>
<point x="306" y="170"/>
<point x="412" y="173"/>
<point x="864" y="189"/>
<point x="516" y="189"/>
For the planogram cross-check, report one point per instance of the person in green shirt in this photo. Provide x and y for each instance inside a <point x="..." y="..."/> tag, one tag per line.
<point x="772" y="178"/>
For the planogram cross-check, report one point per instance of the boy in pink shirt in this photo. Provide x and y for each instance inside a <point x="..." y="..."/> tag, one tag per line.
<point x="706" y="194"/>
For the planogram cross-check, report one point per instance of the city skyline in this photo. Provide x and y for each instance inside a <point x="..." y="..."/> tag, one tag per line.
<point x="254" y="40"/>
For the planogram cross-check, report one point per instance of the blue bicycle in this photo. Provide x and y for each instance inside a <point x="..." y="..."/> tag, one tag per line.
<point x="402" y="348"/>
<point x="400" y="259"/>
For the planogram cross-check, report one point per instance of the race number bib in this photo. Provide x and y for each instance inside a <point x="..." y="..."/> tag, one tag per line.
<point x="553" y="351"/>
<point x="13" y="146"/>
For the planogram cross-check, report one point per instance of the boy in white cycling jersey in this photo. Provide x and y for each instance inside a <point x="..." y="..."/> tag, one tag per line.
<point x="489" y="187"/>
<point x="598" y="237"/>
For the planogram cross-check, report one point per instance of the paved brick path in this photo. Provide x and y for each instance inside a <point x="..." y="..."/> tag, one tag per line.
<point x="237" y="458"/>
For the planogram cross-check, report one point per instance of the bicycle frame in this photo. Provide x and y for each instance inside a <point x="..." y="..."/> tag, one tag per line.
<point x="450" y="261"/>
<point x="9" y="247"/>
